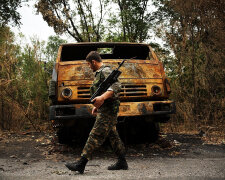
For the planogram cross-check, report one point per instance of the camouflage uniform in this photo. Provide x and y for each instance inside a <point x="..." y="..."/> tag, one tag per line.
<point x="106" y="120"/>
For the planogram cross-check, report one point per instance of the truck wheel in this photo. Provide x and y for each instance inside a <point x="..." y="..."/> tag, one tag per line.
<point x="138" y="131"/>
<point x="162" y="118"/>
<point x="64" y="135"/>
<point x="153" y="131"/>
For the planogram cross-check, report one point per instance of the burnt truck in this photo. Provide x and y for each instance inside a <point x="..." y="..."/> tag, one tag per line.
<point x="144" y="95"/>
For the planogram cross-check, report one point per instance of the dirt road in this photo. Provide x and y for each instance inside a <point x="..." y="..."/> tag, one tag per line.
<point x="174" y="156"/>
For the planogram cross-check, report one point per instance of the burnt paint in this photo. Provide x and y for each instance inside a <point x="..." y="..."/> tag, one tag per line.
<point x="142" y="108"/>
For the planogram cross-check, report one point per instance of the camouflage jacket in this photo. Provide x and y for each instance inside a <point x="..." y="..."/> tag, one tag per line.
<point x="111" y="103"/>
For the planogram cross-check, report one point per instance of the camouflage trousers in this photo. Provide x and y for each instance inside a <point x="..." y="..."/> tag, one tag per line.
<point x="105" y="126"/>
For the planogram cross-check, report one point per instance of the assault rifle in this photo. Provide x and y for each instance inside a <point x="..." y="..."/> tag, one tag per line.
<point x="112" y="78"/>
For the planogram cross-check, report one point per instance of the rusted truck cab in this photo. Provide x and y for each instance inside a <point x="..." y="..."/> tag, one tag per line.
<point x="144" y="95"/>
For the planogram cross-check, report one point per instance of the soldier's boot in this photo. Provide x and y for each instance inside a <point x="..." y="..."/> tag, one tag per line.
<point x="78" y="166"/>
<point x="120" y="164"/>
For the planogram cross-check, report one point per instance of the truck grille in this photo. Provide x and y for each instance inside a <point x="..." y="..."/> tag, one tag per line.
<point x="83" y="92"/>
<point x="133" y="90"/>
<point x="126" y="91"/>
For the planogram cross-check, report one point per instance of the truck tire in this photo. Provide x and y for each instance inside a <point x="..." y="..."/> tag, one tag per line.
<point x="64" y="135"/>
<point x="153" y="131"/>
<point x="76" y="133"/>
<point x="138" y="131"/>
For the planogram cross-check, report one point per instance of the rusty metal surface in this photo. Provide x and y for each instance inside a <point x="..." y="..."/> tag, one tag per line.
<point x="138" y="79"/>
<point x="126" y="109"/>
<point x="104" y="43"/>
<point x="140" y="108"/>
<point x="77" y="75"/>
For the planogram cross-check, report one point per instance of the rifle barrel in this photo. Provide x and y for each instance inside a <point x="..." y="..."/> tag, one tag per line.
<point x="121" y="64"/>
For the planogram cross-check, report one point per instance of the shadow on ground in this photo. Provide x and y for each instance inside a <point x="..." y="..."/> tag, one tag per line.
<point x="37" y="146"/>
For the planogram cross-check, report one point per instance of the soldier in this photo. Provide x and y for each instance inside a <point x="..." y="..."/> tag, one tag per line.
<point x="106" y="107"/>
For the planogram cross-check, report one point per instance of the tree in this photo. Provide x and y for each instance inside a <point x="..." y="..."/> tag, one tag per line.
<point x="75" y="18"/>
<point x="51" y="51"/>
<point x="132" y="20"/>
<point x="81" y="20"/>
<point x="52" y="46"/>
<point x="194" y="31"/>
<point x="8" y="12"/>
<point x="8" y="77"/>
<point x="23" y="83"/>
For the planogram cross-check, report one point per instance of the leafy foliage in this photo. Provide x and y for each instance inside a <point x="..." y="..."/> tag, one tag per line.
<point x="8" y="12"/>
<point x="133" y="20"/>
<point x="193" y="53"/>
<point x="194" y="32"/>
<point x="24" y="80"/>
<point x="75" y="18"/>
<point x="85" y="21"/>
<point x="50" y="52"/>
<point x="52" y="47"/>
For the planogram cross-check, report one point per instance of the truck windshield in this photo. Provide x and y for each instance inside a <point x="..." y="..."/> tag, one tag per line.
<point x="79" y="51"/>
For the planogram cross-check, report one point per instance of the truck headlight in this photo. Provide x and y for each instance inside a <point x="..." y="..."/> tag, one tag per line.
<point x="66" y="93"/>
<point x="156" y="90"/>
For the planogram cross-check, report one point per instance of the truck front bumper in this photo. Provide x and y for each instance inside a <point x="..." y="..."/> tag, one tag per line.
<point x="75" y="111"/>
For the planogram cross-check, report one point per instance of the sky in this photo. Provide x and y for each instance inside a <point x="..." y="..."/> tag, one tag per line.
<point x="33" y="24"/>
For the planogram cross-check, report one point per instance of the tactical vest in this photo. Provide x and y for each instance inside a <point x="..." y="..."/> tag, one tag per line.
<point x="111" y="104"/>
<point x="99" y="78"/>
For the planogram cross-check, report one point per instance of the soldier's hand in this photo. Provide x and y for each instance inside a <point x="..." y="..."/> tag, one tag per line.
<point x="94" y="111"/>
<point x="98" y="101"/>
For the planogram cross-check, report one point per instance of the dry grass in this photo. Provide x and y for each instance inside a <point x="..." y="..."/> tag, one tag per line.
<point x="213" y="134"/>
